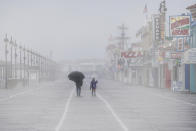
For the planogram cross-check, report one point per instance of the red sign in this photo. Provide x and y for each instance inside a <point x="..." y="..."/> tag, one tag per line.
<point x="132" y="54"/>
<point x="180" y="25"/>
<point x="180" y="44"/>
<point x="178" y="32"/>
<point x="176" y="55"/>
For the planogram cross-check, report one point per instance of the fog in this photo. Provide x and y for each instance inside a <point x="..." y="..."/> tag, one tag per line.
<point x="75" y="29"/>
<point x="97" y="65"/>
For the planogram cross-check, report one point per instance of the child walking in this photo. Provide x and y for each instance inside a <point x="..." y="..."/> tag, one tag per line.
<point x="93" y="86"/>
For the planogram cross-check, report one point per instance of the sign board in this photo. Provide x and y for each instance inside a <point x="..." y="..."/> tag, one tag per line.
<point x="131" y="54"/>
<point x="186" y="43"/>
<point x="179" y="25"/>
<point x="156" y="25"/>
<point x="190" y="56"/>
<point x="180" y="44"/>
<point x="177" y="85"/>
<point x="162" y="26"/>
<point x="175" y="55"/>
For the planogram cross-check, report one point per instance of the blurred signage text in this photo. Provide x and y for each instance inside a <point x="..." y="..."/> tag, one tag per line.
<point x="179" y="25"/>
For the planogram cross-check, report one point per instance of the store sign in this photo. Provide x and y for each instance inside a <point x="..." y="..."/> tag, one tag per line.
<point x="190" y="56"/>
<point x="180" y="44"/>
<point x="131" y="54"/>
<point x="175" y="55"/>
<point x="179" y="25"/>
<point x="177" y="85"/>
<point x="162" y="29"/>
<point x="157" y="27"/>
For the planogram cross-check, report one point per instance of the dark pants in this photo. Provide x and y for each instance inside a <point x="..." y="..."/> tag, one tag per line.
<point x="78" y="91"/>
<point x="93" y="91"/>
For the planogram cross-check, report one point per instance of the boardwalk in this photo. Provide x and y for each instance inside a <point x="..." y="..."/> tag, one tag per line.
<point x="117" y="107"/>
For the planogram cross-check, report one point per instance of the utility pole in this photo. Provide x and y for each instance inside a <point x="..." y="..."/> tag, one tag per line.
<point x="162" y="10"/>
<point x="123" y="38"/>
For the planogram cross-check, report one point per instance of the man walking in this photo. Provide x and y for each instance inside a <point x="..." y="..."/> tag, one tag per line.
<point x="78" y="87"/>
<point x="77" y="77"/>
<point x="93" y="86"/>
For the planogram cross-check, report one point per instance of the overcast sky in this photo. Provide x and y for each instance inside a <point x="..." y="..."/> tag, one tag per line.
<point x="75" y="28"/>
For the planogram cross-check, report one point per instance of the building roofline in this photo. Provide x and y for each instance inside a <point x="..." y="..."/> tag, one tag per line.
<point x="191" y="7"/>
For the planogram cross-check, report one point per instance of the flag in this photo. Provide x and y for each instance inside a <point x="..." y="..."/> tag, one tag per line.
<point x="145" y="9"/>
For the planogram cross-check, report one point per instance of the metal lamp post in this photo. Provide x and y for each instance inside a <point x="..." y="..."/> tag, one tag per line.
<point x="6" y="41"/>
<point x="24" y="65"/>
<point x="31" y="52"/>
<point x="11" y="48"/>
<point x="34" y="58"/>
<point x="37" y="65"/>
<point x="28" y="69"/>
<point x="20" y="48"/>
<point x="41" y="62"/>
<point x="15" y="60"/>
<point x="44" y="66"/>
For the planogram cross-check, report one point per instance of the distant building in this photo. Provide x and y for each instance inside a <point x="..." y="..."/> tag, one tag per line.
<point x="192" y="9"/>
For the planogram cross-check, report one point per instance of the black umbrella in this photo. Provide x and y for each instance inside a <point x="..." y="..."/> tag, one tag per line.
<point x="76" y="76"/>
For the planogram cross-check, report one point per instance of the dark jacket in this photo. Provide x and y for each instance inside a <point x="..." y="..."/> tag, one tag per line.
<point x="93" y="84"/>
<point x="79" y="83"/>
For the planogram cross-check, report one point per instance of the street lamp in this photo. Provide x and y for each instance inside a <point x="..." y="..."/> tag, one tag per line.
<point x="44" y="66"/>
<point x="28" y="69"/>
<point x="37" y="64"/>
<point x="11" y="47"/>
<point x="35" y="58"/>
<point x="40" y="67"/>
<point x="24" y="64"/>
<point x="20" y="48"/>
<point x="47" y="67"/>
<point x="31" y="51"/>
<point x="15" y="57"/>
<point x="6" y="41"/>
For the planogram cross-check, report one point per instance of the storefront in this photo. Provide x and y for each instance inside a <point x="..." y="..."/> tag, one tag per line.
<point x="190" y="69"/>
<point x="190" y="61"/>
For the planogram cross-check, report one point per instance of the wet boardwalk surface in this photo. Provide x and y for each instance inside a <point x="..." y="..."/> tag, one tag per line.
<point x="117" y="107"/>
